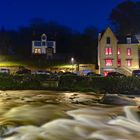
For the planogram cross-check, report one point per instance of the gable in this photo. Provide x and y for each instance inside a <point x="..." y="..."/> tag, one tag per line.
<point x="108" y="33"/>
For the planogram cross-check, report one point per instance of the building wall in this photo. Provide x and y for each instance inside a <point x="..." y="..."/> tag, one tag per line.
<point x="114" y="56"/>
<point x="87" y="66"/>
<point x="133" y="57"/>
<point x="101" y="50"/>
<point x="43" y="48"/>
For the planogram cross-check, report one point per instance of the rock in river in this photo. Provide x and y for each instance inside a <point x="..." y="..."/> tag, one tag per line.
<point x="115" y="99"/>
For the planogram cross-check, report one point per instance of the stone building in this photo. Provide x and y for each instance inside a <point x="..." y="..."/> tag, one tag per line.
<point x="117" y="53"/>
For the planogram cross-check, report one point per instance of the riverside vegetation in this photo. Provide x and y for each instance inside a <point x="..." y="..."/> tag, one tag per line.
<point x="71" y="83"/>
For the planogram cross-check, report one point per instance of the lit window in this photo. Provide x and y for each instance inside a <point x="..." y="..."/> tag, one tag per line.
<point x="108" y="51"/>
<point x="108" y="40"/>
<point x="108" y="62"/>
<point x="129" y="63"/>
<point x="128" y="51"/>
<point x="119" y="51"/>
<point x="119" y="62"/>
<point x="37" y="51"/>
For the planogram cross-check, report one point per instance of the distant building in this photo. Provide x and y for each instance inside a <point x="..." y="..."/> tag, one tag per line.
<point x="44" y="47"/>
<point x="117" y="53"/>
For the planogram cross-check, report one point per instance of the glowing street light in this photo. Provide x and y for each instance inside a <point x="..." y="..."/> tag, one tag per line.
<point x="72" y="60"/>
<point x="72" y="63"/>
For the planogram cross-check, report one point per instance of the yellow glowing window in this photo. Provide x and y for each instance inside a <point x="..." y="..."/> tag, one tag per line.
<point x="37" y="51"/>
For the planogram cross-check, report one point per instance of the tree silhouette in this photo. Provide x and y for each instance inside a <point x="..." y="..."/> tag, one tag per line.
<point x="125" y="17"/>
<point x="81" y="45"/>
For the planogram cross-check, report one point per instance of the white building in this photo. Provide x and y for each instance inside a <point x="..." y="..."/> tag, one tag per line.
<point x="44" y="47"/>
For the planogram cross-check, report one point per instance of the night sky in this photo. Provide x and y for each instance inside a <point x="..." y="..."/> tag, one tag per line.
<point x="76" y="14"/>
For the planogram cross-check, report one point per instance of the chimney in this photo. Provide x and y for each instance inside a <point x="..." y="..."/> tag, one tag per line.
<point x="99" y="36"/>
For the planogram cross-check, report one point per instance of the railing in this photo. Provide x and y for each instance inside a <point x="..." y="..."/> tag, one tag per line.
<point x="125" y="70"/>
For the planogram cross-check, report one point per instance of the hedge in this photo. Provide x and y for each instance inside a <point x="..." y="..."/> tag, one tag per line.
<point x="71" y="83"/>
<point x="101" y="84"/>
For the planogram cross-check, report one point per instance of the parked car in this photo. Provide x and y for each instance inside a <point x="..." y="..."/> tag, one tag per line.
<point x="115" y="74"/>
<point x="136" y="73"/>
<point x="5" y="70"/>
<point x="93" y="74"/>
<point x="59" y="74"/>
<point x="69" y="73"/>
<point x="42" y="72"/>
<point x="23" y="70"/>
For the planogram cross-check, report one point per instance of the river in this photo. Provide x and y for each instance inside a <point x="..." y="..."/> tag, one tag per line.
<point x="50" y="115"/>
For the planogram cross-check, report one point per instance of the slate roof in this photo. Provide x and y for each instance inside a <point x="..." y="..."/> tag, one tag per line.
<point x="123" y="39"/>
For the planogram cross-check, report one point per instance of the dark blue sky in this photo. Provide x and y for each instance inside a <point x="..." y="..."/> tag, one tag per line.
<point x="76" y="14"/>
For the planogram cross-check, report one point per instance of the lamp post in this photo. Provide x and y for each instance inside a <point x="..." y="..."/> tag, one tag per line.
<point x="72" y="63"/>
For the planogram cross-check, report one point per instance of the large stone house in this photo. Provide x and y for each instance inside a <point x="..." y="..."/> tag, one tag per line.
<point x="44" y="47"/>
<point x="117" y="53"/>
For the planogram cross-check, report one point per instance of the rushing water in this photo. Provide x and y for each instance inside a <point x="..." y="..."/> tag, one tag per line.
<point x="46" y="115"/>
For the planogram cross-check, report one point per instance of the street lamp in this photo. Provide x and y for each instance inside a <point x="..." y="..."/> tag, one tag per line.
<point x="72" y="63"/>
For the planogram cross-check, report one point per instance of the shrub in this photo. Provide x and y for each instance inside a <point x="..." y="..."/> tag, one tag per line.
<point x="70" y="82"/>
<point x="106" y="84"/>
<point x="18" y="82"/>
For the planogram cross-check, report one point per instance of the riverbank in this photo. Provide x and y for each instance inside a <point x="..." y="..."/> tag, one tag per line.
<point x="56" y="97"/>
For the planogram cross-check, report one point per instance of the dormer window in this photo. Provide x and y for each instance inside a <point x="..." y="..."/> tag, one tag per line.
<point x="128" y="40"/>
<point x="108" y="40"/>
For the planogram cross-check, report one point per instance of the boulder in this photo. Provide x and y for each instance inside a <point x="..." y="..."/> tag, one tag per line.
<point x="115" y="99"/>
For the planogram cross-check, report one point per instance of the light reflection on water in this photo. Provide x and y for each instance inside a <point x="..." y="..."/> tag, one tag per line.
<point x="31" y="117"/>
